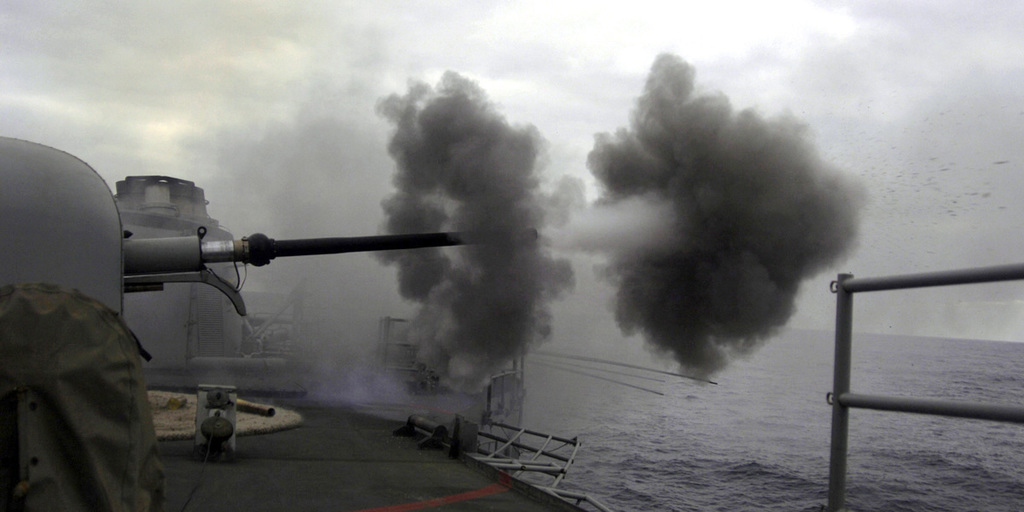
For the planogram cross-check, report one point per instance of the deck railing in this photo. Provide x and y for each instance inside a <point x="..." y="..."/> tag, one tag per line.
<point x="842" y="400"/>
<point x="538" y="459"/>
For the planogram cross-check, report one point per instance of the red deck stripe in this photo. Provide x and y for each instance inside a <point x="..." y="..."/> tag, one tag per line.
<point x="437" y="502"/>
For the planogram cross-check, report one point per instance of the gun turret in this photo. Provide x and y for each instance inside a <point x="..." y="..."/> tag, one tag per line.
<point x="53" y="205"/>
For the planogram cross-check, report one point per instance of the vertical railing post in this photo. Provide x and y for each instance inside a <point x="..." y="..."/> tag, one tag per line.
<point x="840" y="385"/>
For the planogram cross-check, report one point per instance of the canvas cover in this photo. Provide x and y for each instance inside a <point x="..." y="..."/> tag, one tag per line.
<point x="76" y="431"/>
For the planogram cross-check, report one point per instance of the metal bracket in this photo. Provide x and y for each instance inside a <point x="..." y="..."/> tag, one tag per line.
<point x="205" y="276"/>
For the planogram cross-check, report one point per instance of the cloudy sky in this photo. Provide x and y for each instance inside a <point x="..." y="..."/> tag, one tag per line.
<point x="270" y="107"/>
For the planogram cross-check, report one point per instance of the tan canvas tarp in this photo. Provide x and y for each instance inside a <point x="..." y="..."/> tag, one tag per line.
<point x="73" y="407"/>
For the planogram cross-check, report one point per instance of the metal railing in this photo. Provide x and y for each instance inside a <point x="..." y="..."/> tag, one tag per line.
<point x="842" y="399"/>
<point x="540" y="459"/>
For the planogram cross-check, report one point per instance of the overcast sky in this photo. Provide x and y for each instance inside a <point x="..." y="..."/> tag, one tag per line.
<point x="270" y="107"/>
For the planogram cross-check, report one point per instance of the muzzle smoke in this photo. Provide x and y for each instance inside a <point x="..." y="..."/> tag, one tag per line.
<point x="750" y="209"/>
<point x="461" y="166"/>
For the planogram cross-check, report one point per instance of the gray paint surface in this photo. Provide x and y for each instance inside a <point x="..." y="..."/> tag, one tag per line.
<point x="58" y="222"/>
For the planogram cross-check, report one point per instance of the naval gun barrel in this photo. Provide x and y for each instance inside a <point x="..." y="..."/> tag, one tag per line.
<point x="262" y="249"/>
<point x="191" y="253"/>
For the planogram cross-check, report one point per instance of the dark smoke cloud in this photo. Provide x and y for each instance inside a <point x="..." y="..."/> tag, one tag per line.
<point x="461" y="166"/>
<point x="756" y="209"/>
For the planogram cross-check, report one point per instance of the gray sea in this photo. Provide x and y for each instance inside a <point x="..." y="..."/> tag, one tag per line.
<point x="759" y="441"/>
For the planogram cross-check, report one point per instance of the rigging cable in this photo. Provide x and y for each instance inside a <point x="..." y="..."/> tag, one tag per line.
<point x="624" y="365"/>
<point x="570" y="370"/>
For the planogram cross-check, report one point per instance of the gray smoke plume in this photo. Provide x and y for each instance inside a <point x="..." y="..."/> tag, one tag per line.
<point x="755" y="209"/>
<point x="461" y="166"/>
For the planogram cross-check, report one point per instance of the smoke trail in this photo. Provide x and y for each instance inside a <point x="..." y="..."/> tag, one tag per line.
<point x="461" y="166"/>
<point x="756" y="210"/>
<point x="633" y="224"/>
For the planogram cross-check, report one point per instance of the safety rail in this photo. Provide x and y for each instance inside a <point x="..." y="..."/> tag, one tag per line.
<point x="535" y="457"/>
<point x="842" y="400"/>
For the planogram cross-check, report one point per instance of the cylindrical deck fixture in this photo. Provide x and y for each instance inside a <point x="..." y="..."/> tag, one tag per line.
<point x="254" y="408"/>
<point x="420" y="422"/>
<point x="437" y="434"/>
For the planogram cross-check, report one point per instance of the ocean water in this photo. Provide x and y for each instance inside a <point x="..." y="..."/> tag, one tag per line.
<point x="760" y="439"/>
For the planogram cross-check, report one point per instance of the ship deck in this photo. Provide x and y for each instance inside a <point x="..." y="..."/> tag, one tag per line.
<point x="341" y="459"/>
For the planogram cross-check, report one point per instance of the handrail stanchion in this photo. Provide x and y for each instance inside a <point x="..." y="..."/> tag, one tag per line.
<point x="840" y="386"/>
<point x="842" y="400"/>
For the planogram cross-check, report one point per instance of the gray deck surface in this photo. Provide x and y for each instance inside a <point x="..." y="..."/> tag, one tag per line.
<point x="339" y="460"/>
